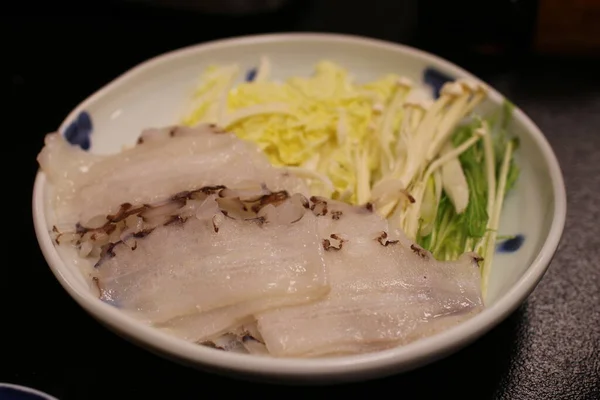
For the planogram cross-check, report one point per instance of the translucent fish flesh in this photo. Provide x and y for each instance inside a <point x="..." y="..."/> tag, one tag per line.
<point x="164" y="162"/>
<point x="207" y="272"/>
<point x="384" y="291"/>
<point x="194" y="232"/>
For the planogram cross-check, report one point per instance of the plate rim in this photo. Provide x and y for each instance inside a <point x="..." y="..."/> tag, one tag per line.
<point x="28" y="390"/>
<point x="396" y="359"/>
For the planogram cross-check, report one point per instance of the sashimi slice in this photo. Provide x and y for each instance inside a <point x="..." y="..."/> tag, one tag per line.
<point x="204" y="326"/>
<point x="384" y="291"/>
<point x="194" y="232"/>
<point x="244" y="338"/>
<point x="165" y="161"/>
<point x="212" y="264"/>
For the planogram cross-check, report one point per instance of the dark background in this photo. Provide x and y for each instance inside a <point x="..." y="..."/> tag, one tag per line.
<point x="56" y="53"/>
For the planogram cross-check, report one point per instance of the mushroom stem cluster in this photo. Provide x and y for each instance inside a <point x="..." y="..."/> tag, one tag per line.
<point x="422" y="148"/>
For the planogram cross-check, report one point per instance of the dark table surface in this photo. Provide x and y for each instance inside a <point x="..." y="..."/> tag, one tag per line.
<point x="55" y="54"/>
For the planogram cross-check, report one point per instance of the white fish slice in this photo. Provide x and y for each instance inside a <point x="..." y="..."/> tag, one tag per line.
<point x="242" y="339"/>
<point x="206" y="325"/>
<point x="383" y="293"/>
<point x="228" y="269"/>
<point x="88" y="185"/>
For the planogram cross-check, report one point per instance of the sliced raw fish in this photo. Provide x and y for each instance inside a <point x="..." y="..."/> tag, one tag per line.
<point x="384" y="291"/>
<point x="242" y="339"/>
<point x="249" y="201"/>
<point x="193" y="231"/>
<point x="215" y="268"/>
<point x="166" y="161"/>
<point x="201" y="326"/>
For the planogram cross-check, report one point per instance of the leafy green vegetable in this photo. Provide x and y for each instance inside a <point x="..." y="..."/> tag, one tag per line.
<point x="454" y="233"/>
<point x="501" y="140"/>
<point x="449" y="238"/>
<point x="513" y="175"/>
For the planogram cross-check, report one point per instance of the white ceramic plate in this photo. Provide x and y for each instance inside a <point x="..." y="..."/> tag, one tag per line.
<point x="9" y="391"/>
<point x="155" y="94"/>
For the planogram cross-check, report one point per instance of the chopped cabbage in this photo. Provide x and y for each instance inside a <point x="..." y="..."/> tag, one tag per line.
<point x="326" y="123"/>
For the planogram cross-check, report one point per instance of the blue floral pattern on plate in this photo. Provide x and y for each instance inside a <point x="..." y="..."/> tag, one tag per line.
<point x="435" y="79"/>
<point x="78" y="132"/>
<point x="251" y="74"/>
<point x="510" y="245"/>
